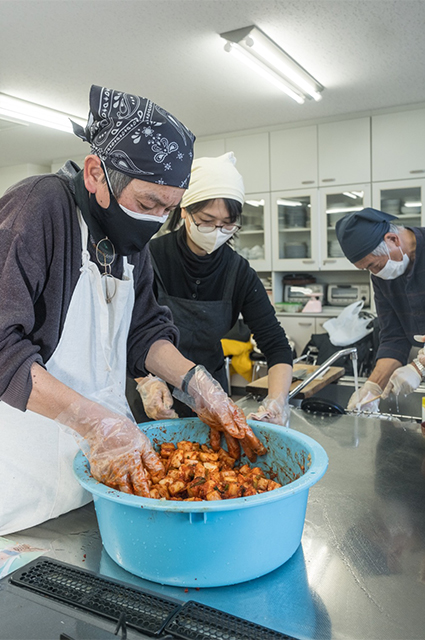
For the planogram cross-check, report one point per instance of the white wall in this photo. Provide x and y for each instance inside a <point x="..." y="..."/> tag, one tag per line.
<point x="11" y="175"/>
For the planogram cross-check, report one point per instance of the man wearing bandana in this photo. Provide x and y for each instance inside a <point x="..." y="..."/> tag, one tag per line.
<point x="78" y="314"/>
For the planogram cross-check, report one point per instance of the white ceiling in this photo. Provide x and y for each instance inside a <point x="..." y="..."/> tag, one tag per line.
<point x="369" y="55"/>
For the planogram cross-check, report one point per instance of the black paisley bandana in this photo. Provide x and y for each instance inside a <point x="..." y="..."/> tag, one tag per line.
<point x="137" y="137"/>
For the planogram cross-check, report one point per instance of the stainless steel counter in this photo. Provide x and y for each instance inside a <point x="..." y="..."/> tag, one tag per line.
<point x="360" y="570"/>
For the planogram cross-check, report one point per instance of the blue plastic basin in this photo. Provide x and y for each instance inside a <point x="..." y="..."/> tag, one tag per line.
<point x="210" y="543"/>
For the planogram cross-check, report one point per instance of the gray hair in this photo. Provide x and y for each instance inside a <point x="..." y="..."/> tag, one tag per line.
<point x="118" y="181"/>
<point x="382" y="249"/>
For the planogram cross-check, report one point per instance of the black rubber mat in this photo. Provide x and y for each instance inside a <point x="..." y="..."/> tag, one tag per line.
<point x="143" y="611"/>
<point x="197" y="621"/>
<point x="86" y="590"/>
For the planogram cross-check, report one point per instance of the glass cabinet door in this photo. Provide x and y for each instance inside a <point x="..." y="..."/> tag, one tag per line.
<point x="335" y="203"/>
<point x="295" y="238"/>
<point x="402" y="199"/>
<point x="253" y="240"/>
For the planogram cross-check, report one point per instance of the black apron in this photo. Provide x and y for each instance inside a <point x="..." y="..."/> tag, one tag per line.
<point x="202" y="325"/>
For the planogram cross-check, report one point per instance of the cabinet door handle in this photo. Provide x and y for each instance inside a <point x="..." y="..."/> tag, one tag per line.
<point x="305" y="324"/>
<point x="307" y="182"/>
<point x="328" y="261"/>
<point x="328" y="179"/>
<point x="309" y="261"/>
<point x="417" y="171"/>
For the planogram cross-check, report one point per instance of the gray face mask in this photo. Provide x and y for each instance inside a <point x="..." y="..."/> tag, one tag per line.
<point x="394" y="269"/>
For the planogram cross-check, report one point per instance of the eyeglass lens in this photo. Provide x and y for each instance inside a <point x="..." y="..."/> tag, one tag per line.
<point x="105" y="252"/>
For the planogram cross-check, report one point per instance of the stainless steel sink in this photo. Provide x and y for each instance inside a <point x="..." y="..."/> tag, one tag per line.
<point x="405" y="406"/>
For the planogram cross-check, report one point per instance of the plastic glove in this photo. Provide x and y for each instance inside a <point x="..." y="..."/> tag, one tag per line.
<point x="365" y="397"/>
<point x="156" y="398"/>
<point x="274" y="410"/>
<point x="421" y="352"/>
<point x="117" y="450"/>
<point x="404" y="380"/>
<point x="214" y="407"/>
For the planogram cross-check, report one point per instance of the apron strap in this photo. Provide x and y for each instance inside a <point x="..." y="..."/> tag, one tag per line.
<point x="85" y="255"/>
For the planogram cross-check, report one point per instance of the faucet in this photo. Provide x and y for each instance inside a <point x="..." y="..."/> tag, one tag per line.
<point x="344" y="352"/>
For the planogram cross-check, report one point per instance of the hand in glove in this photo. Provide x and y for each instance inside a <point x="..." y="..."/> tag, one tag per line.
<point x="119" y="452"/>
<point x="365" y="397"/>
<point x="214" y="407"/>
<point x="156" y="398"/>
<point x="421" y="352"/>
<point x="404" y="380"/>
<point x="274" y="410"/>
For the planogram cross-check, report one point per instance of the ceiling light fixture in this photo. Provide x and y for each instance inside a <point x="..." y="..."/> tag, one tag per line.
<point x="23" y="112"/>
<point x="251" y="46"/>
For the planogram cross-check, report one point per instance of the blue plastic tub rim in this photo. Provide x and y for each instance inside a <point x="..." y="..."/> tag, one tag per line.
<point x="318" y="466"/>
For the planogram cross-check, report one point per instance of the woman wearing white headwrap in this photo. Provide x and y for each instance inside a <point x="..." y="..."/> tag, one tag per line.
<point x="207" y="286"/>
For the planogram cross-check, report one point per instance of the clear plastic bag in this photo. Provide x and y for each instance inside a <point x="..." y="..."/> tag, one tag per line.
<point x="349" y="326"/>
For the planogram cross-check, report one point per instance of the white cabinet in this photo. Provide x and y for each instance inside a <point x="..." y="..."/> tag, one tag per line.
<point x="209" y="148"/>
<point x="398" y="149"/>
<point x="295" y="230"/>
<point x="401" y="198"/>
<point x="344" y="152"/>
<point x="253" y="241"/>
<point x="300" y="327"/>
<point x="335" y="203"/>
<point x="303" y="228"/>
<point x="252" y="155"/>
<point x="293" y="158"/>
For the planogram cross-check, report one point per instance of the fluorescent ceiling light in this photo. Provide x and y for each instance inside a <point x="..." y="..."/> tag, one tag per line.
<point x="21" y="111"/>
<point x="253" y="47"/>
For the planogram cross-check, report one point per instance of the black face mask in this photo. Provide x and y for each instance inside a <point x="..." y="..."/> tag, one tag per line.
<point x="126" y="234"/>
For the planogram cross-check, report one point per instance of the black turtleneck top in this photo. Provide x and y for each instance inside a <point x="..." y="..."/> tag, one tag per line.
<point x="187" y="275"/>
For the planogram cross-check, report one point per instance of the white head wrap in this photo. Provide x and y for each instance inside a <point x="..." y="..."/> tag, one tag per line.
<point x="214" y="178"/>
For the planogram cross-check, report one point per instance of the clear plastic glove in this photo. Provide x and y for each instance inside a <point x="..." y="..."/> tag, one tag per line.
<point x="421" y="352"/>
<point x="117" y="450"/>
<point x="214" y="407"/>
<point x="274" y="410"/>
<point x="403" y="381"/>
<point x="365" y="397"/>
<point x="156" y="397"/>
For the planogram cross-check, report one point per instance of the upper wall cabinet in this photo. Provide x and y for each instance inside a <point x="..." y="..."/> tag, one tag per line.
<point x="209" y="148"/>
<point x="252" y="155"/>
<point x="398" y="149"/>
<point x="293" y="158"/>
<point x="344" y="152"/>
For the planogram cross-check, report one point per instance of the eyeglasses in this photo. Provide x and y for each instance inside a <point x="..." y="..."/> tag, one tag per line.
<point x="105" y="255"/>
<point x="204" y="227"/>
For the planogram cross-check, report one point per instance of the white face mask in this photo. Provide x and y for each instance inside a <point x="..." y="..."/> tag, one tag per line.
<point x="394" y="269"/>
<point x="209" y="242"/>
<point x="144" y="216"/>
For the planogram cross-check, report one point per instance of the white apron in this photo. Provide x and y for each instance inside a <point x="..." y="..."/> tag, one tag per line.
<point x="36" y="455"/>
